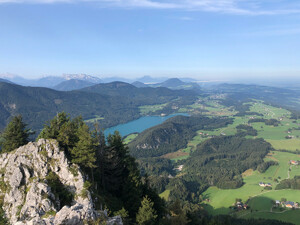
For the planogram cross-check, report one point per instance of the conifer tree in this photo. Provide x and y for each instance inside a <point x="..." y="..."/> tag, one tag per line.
<point x="63" y="129"/>
<point x="146" y="214"/>
<point x="114" y="158"/>
<point x="178" y="216"/>
<point x="15" y="134"/>
<point x="52" y="130"/>
<point x="84" y="152"/>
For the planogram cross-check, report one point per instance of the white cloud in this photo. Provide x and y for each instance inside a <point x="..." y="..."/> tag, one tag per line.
<point x="237" y="7"/>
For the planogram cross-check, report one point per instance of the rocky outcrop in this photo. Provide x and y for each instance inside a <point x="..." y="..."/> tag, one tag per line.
<point x="37" y="181"/>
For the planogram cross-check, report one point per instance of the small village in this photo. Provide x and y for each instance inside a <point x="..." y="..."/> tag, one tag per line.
<point x="287" y="204"/>
<point x="283" y="204"/>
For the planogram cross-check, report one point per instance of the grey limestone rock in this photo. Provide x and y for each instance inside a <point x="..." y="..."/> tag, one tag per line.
<point x="28" y="199"/>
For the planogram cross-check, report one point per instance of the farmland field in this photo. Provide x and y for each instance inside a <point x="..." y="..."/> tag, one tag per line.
<point x="151" y="108"/>
<point x="260" y="199"/>
<point x="288" y="144"/>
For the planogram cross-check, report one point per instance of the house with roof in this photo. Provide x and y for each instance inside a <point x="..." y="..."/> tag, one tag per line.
<point x="262" y="184"/>
<point x="289" y="204"/>
<point x="241" y="206"/>
<point x="294" y="162"/>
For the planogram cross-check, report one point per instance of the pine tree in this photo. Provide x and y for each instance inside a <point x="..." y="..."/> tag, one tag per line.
<point x="63" y="129"/>
<point x="146" y="215"/>
<point x="84" y="152"/>
<point x="114" y="164"/>
<point x="178" y="216"/>
<point x="15" y="134"/>
<point x="52" y="130"/>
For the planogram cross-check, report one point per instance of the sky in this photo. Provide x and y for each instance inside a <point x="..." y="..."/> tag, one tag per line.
<point x="132" y="38"/>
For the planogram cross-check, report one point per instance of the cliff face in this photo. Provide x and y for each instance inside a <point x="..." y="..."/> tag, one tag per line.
<point x="37" y="183"/>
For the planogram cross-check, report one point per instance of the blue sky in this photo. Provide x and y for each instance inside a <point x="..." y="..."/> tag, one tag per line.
<point x="194" y="38"/>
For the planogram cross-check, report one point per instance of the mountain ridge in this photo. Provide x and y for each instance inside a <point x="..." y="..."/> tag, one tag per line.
<point x="72" y="84"/>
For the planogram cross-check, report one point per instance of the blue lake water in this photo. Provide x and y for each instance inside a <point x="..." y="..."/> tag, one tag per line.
<point x="140" y="124"/>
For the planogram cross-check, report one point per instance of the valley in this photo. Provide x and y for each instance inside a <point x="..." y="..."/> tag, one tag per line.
<point x="210" y="150"/>
<point x="283" y="136"/>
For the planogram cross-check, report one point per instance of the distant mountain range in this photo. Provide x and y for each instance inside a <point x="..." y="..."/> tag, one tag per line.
<point x="82" y="77"/>
<point x="139" y="84"/>
<point x="173" y="83"/>
<point x="55" y="81"/>
<point x="52" y="81"/>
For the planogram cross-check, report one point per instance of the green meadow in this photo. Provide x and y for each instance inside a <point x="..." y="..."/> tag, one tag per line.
<point x="260" y="199"/>
<point x="292" y="216"/>
<point x="146" y="109"/>
<point x="94" y="119"/>
<point x="130" y="138"/>
<point x="165" y="195"/>
<point x="288" y="144"/>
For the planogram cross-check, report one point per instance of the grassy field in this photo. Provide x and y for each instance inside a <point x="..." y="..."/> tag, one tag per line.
<point x="268" y="111"/>
<point x="145" y="109"/>
<point x="292" y="216"/>
<point x="288" y="144"/>
<point x="94" y="120"/>
<point x="211" y="108"/>
<point x="165" y="195"/>
<point x="260" y="199"/>
<point x="130" y="138"/>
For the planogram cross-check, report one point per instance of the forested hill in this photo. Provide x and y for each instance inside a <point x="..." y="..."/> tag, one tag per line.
<point x="38" y="105"/>
<point x="177" y="84"/>
<point x="172" y="135"/>
<point x="141" y="96"/>
<point x="223" y="159"/>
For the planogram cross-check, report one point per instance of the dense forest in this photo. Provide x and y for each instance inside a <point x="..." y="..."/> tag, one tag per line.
<point x="222" y="160"/>
<point x="293" y="183"/>
<point x="270" y="122"/>
<point x="218" y="161"/>
<point x="172" y="135"/>
<point x="244" y="130"/>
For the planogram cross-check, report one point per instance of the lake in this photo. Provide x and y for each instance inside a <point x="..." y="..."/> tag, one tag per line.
<point x="139" y="125"/>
